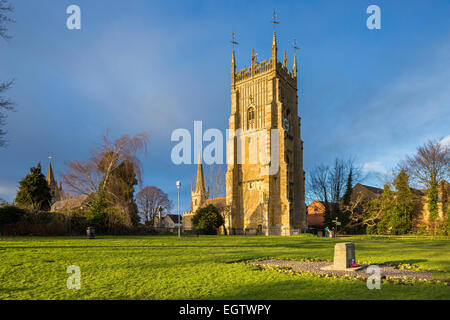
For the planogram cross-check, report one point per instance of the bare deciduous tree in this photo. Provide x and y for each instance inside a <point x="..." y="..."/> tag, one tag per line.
<point x="355" y="212"/>
<point x="5" y="103"/>
<point x="216" y="181"/>
<point x="149" y="199"/>
<point x="317" y="184"/>
<point x="5" y="9"/>
<point x="326" y="183"/>
<point x="96" y="174"/>
<point x="430" y="164"/>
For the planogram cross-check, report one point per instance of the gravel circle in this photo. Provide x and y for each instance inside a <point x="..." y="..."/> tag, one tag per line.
<point x="315" y="267"/>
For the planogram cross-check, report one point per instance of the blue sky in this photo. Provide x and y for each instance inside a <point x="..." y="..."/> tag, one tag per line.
<point x="160" y="65"/>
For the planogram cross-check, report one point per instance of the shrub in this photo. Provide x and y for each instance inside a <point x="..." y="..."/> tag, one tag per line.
<point x="118" y="222"/>
<point x="10" y="215"/>
<point x="97" y="215"/>
<point x="207" y="220"/>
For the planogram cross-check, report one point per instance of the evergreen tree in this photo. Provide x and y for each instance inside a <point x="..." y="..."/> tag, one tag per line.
<point x="401" y="221"/>
<point x="97" y="214"/>
<point x="34" y="191"/>
<point x="348" y="191"/>
<point x="208" y="219"/>
<point x="328" y="214"/>
<point x="386" y="209"/>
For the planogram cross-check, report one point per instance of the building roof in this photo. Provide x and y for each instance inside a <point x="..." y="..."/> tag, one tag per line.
<point x="71" y="203"/>
<point x="367" y="193"/>
<point x="173" y="217"/>
<point x="219" y="203"/>
<point x="318" y="201"/>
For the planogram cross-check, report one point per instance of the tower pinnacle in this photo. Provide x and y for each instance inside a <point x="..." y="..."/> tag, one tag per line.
<point x="294" y="67"/>
<point x="233" y="66"/>
<point x="233" y="60"/>
<point x="274" y="46"/>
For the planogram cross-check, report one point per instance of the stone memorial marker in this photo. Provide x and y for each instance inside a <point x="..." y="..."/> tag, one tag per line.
<point x="344" y="255"/>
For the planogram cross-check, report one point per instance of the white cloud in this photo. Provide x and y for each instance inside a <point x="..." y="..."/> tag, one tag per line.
<point x="7" y="192"/>
<point x="374" y="166"/>
<point x="445" y="141"/>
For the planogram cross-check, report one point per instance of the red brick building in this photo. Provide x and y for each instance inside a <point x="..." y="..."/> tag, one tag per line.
<point x="316" y="213"/>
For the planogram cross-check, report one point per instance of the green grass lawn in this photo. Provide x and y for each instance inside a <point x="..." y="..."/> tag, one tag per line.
<point x="207" y="267"/>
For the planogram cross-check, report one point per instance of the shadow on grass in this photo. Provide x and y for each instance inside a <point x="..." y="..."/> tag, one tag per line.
<point x="165" y="246"/>
<point x="8" y="290"/>
<point x="399" y="262"/>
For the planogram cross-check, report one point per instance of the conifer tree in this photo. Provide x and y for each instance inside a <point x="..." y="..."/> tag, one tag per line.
<point x="348" y="190"/>
<point x="401" y="221"/>
<point x="34" y="191"/>
<point x="386" y="210"/>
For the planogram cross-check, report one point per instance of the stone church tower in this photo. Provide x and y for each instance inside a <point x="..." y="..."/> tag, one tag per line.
<point x="264" y="100"/>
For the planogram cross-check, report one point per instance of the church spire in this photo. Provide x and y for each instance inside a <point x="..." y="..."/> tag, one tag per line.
<point x="285" y="60"/>
<point x="50" y="177"/>
<point x="200" y="182"/>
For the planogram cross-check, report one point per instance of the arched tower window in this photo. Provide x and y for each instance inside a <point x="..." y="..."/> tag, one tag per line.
<point x="251" y="121"/>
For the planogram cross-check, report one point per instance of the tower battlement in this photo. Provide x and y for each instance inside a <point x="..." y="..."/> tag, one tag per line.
<point x="262" y="67"/>
<point x="259" y="68"/>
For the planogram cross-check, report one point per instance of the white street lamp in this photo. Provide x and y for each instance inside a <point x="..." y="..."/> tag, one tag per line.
<point x="179" y="225"/>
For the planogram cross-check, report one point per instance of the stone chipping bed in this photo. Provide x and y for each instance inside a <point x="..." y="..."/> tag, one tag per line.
<point x="315" y="267"/>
